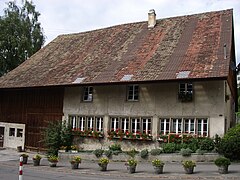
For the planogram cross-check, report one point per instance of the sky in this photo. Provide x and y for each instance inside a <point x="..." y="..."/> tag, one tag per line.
<point x="73" y="16"/>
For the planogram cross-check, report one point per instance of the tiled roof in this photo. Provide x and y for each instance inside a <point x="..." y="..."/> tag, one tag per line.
<point x="179" y="47"/>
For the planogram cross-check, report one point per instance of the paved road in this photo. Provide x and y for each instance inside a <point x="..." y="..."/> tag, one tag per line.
<point x="116" y="170"/>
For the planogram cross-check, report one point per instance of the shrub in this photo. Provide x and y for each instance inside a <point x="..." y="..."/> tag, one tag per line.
<point x="169" y="148"/>
<point x="222" y="161"/>
<point x="201" y="152"/>
<point x="186" y="152"/>
<point x="57" y="134"/>
<point x="157" y="163"/>
<point x="194" y="144"/>
<point x="98" y="152"/>
<point x="207" y="144"/>
<point x="144" y="153"/>
<point x="155" y="152"/>
<point x="132" y="153"/>
<point x="108" y="153"/>
<point x="115" y="147"/>
<point x="229" y="145"/>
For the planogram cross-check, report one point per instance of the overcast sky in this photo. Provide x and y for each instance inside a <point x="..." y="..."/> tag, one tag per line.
<point x="71" y="16"/>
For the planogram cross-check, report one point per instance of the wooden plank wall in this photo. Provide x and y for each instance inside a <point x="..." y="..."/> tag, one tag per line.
<point x="34" y="107"/>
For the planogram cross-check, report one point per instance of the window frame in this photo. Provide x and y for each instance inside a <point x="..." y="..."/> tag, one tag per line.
<point x="131" y="124"/>
<point x="185" y="91"/>
<point x="83" y="123"/>
<point x="194" y="121"/>
<point x="133" y="92"/>
<point x="87" y="94"/>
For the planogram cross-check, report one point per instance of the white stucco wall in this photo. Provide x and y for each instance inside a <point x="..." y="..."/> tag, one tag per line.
<point x="155" y="100"/>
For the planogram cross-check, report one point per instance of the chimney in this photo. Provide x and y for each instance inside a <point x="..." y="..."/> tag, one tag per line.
<point x="151" y="18"/>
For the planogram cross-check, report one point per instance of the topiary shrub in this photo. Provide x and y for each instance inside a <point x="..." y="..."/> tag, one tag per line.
<point x="155" y="152"/>
<point x="229" y="145"/>
<point x="98" y="152"/>
<point x="186" y="152"/>
<point x="144" y="153"/>
<point x="169" y="148"/>
<point x="207" y="144"/>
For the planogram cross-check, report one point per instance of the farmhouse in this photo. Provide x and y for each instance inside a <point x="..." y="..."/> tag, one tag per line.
<point x="173" y="75"/>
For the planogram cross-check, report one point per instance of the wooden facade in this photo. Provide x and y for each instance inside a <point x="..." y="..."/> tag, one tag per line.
<point x="33" y="107"/>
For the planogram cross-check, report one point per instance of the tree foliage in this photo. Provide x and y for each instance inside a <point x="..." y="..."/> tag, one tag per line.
<point x="57" y="134"/>
<point x="21" y="34"/>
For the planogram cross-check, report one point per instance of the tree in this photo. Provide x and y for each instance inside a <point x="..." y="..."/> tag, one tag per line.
<point x="21" y="34"/>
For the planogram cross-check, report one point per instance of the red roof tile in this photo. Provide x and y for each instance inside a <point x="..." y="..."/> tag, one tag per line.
<point x="190" y="44"/>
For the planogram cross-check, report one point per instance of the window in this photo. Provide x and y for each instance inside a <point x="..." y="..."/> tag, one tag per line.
<point x="146" y="125"/>
<point x="11" y="131"/>
<point x="125" y="124"/>
<point x="19" y="132"/>
<point x="177" y="126"/>
<point x="135" y="125"/>
<point x="115" y="123"/>
<point x="83" y="123"/>
<point x="197" y="126"/>
<point x="132" y="93"/>
<point x="202" y="127"/>
<point x="164" y="126"/>
<point x="185" y="93"/>
<point x="189" y="126"/>
<point x="88" y="93"/>
<point x="131" y="124"/>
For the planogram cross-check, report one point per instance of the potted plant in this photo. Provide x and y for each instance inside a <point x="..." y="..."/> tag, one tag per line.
<point x="74" y="149"/>
<point x="25" y="158"/>
<point x="158" y="166"/>
<point x="53" y="160"/>
<point x="36" y="159"/>
<point x="75" y="161"/>
<point x="222" y="164"/>
<point x="131" y="165"/>
<point x="103" y="162"/>
<point x="62" y="149"/>
<point x="189" y="166"/>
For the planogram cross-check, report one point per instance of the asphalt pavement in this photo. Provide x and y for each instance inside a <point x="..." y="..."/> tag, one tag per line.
<point x="172" y="170"/>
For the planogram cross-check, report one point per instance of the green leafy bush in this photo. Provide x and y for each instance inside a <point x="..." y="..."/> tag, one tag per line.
<point x="229" y="145"/>
<point x="132" y="153"/>
<point x="169" y="148"/>
<point x="186" y="152"/>
<point x="115" y="147"/>
<point x="222" y="161"/>
<point x="155" y="152"/>
<point x="207" y="144"/>
<point x="194" y="144"/>
<point x="144" y="153"/>
<point x="98" y="152"/>
<point x="201" y="152"/>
